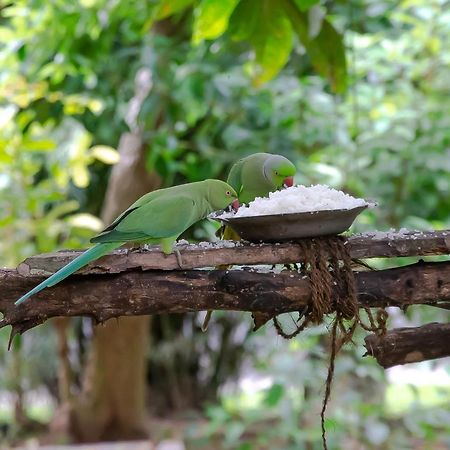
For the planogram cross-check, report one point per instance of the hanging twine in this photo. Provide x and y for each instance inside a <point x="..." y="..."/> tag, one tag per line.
<point x="327" y="263"/>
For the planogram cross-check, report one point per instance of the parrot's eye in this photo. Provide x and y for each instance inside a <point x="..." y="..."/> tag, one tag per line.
<point x="276" y="172"/>
<point x="228" y="193"/>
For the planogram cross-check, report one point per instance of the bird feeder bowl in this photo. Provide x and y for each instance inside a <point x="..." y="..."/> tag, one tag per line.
<point x="287" y="227"/>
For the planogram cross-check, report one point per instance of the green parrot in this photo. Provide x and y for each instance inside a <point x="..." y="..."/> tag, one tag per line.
<point x="158" y="217"/>
<point x="255" y="176"/>
<point x="260" y="173"/>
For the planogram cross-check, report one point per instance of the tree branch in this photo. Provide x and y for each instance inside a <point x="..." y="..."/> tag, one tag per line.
<point x="154" y="292"/>
<point x="373" y="245"/>
<point x="410" y="345"/>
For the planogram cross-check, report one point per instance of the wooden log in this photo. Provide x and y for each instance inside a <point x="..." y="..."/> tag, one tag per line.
<point x="154" y="292"/>
<point x="410" y="345"/>
<point x="371" y="245"/>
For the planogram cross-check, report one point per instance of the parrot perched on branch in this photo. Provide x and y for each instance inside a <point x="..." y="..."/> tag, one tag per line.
<point x="158" y="217"/>
<point x="256" y="176"/>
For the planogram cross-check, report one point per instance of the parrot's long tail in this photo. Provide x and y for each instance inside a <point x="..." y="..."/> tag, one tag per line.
<point x="85" y="258"/>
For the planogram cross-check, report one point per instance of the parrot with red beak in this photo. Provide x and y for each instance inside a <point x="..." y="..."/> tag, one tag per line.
<point x="256" y="176"/>
<point x="260" y="173"/>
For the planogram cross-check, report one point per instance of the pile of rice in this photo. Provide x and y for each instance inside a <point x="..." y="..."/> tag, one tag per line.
<point x="297" y="199"/>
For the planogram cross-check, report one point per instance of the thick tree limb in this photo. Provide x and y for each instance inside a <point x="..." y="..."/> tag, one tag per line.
<point x="153" y="292"/>
<point x="195" y="256"/>
<point x="410" y="345"/>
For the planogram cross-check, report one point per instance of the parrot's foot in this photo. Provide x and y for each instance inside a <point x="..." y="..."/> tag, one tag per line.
<point x="206" y="321"/>
<point x="179" y="260"/>
<point x="133" y="248"/>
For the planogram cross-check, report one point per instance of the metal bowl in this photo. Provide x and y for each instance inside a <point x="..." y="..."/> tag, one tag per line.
<point x="286" y="227"/>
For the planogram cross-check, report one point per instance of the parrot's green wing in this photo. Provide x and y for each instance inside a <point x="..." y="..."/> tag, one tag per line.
<point x="159" y="218"/>
<point x="137" y="204"/>
<point x="118" y="220"/>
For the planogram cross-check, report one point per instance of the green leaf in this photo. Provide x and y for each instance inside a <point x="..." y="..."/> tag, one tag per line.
<point x="105" y="154"/>
<point x="169" y="7"/>
<point x="61" y="210"/>
<point x="85" y="220"/>
<point x="243" y="20"/>
<point x="211" y="19"/>
<point x="274" y="395"/>
<point x="80" y="175"/>
<point x="304" y="5"/>
<point x="41" y="145"/>
<point x="267" y="27"/>
<point x="326" y="50"/>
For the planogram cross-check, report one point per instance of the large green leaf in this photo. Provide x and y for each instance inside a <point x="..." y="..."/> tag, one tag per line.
<point x="211" y="19"/>
<point x="265" y="24"/>
<point x="244" y="19"/>
<point x="326" y="50"/>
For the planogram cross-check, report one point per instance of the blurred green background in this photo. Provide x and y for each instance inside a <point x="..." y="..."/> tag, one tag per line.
<point x="200" y="84"/>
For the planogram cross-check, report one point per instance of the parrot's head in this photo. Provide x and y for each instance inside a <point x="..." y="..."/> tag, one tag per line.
<point x="279" y="171"/>
<point x="221" y="195"/>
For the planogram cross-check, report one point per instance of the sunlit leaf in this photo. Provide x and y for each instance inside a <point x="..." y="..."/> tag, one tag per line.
<point x="84" y="220"/>
<point x="80" y="175"/>
<point x="326" y="50"/>
<point x="42" y="145"/>
<point x="211" y="19"/>
<point x="62" y="209"/>
<point x="96" y="106"/>
<point x="105" y="154"/>
<point x="274" y="395"/>
<point x="265" y="24"/>
<point x="73" y="108"/>
<point x="88" y="3"/>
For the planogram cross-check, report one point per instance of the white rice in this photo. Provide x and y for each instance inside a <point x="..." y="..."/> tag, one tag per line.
<point x="297" y="199"/>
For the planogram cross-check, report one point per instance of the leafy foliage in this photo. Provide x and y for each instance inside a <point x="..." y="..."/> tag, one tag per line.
<point x="268" y="26"/>
<point x="211" y="19"/>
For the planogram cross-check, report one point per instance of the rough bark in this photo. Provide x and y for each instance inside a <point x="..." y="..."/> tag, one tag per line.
<point x="410" y="345"/>
<point x="228" y="253"/>
<point x="112" y="404"/>
<point x="138" y="293"/>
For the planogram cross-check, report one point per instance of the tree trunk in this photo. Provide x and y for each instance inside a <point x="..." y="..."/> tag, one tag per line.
<point x="65" y="378"/>
<point x="112" y="404"/>
<point x="112" y="401"/>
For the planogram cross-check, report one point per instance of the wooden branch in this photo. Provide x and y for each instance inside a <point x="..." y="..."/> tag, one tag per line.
<point x="154" y="292"/>
<point x="410" y="345"/>
<point x="373" y="245"/>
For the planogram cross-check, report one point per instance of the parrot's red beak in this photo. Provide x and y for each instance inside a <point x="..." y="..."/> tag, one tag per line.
<point x="235" y="204"/>
<point x="288" y="182"/>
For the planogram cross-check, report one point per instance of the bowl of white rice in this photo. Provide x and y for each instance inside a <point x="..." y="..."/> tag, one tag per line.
<point x="294" y="213"/>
